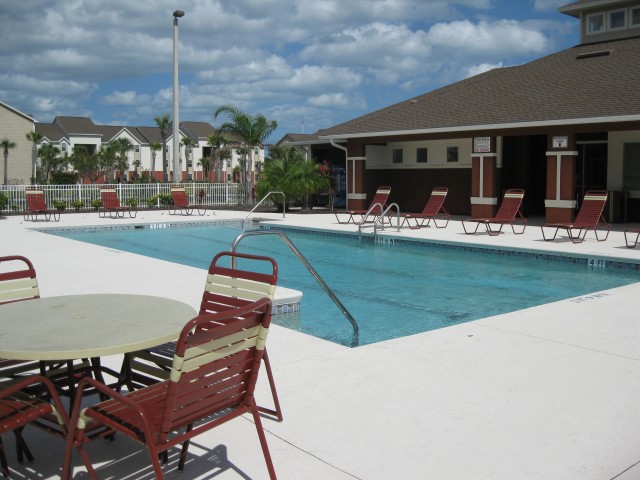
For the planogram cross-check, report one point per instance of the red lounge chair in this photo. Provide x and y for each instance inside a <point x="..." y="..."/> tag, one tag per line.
<point x="17" y="283"/>
<point x="111" y="205"/>
<point x="212" y="381"/>
<point x="19" y="409"/>
<point x="37" y="205"/>
<point x="181" y="202"/>
<point x="628" y="235"/>
<point x="433" y="210"/>
<point x="225" y="289"/>
<point x="589" y="218"/>
<point x="510" y="208"/>
<point x="377" y="206"/>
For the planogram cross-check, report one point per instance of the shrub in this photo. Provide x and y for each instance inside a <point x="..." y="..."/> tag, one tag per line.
<point x="4" y="200"/>
<point x="60" y="205"/>
<point x="77" y="205"/>
<point x="96" y="204"/>
<point x="132" y="202"/>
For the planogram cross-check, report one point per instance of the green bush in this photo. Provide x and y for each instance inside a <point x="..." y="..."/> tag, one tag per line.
<point x="166" y="199"/>
<point x="151" y="201"/>
<point x="60" y="205"/>
<point x="63" y="178"/>
<point x="77" y="205"/>
<point x="4" y="200"/>
<point x="96" y="204"/>
<point x="132" y="202"/>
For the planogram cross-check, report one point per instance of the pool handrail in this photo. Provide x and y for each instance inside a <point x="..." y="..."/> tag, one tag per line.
<point x="356" y="329"/>
<point x="284" y="204"/>
<point x="362" y="224"/>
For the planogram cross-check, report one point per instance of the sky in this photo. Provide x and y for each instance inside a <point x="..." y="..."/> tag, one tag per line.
<point x="307" y="64"/>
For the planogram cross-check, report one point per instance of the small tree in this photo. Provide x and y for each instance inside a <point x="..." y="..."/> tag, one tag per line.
<point x="87" y="165"/>
<point x="35" y="138"/>
<point x="165" y="125"/>
<point x="219" y="153"/>
<point x="154" y="146"/>
<point x="51" y="161"/>
<point x="6" y="145"/>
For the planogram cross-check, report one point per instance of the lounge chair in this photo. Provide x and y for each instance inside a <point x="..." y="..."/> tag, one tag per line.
<point x="181" y="202"/>
<point x="589" y="217"/>
<point x="18" y="282"/>
<point x="212" y="381"/>
<point x="628" y="237"/>
<point x="37" y="205"/>
<point x="111" y="205"/>
<point x="225" y="289"/>
<point x="509" y="213"/>
<point x="18" y="408"/>
<point x="434" y="209"/>
<point x="377" y="206"/>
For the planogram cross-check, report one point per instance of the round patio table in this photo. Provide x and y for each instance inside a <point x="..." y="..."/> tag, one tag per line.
<point x="88" y="326"/>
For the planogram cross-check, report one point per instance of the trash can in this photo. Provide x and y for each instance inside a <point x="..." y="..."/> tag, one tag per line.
<point x="617" y="206"/>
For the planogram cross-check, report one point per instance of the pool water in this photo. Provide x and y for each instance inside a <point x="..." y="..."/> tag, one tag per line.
<point x="391" y="290"/>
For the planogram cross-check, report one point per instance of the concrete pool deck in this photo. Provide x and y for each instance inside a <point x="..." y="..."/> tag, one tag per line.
<point x="549" y="392"/>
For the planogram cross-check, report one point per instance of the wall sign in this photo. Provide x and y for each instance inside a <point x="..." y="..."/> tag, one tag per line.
<point x="481" y="144"/>
<point x="560" y="142"/>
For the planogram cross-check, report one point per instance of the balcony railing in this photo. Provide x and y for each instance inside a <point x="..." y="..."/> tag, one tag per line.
<point x="147" y="195"/>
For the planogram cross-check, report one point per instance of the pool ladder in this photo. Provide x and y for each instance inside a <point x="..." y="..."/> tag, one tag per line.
<point x="284" y="204"/>
<point x="378" y="219"/>
<point x="356" y="330"/>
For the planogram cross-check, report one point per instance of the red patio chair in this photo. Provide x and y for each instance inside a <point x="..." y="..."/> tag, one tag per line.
<point x="589" y="217"/>
<point x="18" y="282"/>
<point x="509" y="213"/>
<point x="19" y="409"/>
<point x="225" y="289"/>
<point x="111" y="205"/>
<point x="433" y="210"/>
<point x="37" y="205"/>
<point x="376" y="207"/>
<point x="181" y="202"/>
<point x="212" y="381"/>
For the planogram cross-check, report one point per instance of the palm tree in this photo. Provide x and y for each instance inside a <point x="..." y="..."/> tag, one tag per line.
<point x="120" y="147"/>
<point x="252" y="130"/>
<point x="35" y="138"/>
<point x="165" y="125"/>
<point x="6" y="144"/>
<point x="188" y="143"/>
<point x="87" y="165"/>
<point x="50" y="159"/>
<point x="154" y="146"/>
<point x="219" y="152"/>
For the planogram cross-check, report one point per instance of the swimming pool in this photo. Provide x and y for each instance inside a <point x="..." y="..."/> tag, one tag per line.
<point x="392" y="290"/>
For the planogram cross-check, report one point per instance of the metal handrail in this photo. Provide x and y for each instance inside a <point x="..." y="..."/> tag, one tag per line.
<point x="284" y="205"/>
<point x="378" y="219"/>
<point x="356" y="329"/>
<point x="397" y="215"/>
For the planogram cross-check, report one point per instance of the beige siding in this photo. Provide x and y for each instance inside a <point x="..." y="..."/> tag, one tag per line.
<point x="15" y="127"/>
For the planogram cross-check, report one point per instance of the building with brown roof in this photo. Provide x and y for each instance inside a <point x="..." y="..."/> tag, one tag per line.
<point x="557" y="127"/>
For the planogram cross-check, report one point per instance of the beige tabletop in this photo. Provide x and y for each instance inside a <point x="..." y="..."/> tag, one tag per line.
<point x="85" y="326"/>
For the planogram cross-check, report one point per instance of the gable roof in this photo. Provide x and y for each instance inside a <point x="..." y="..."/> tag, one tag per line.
<point x="197" y="130"/>
<point x="77" y="126"/>
<point x="50" y="131"/>
<point x="585" y="84"/>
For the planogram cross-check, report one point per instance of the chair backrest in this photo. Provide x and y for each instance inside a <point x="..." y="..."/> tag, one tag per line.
<point x="216" y="364"/>
<point x="233" y="287"/>
<point x="17" y="284"/>
<point x="435" y="202"/>
<point x="510" y="205"/>
<point x="592" y="207"/>
<point x="179" y="197"/>
<point x="35" y="199"/>
<point x="109" y="198"/>
<point x="381" y="196"/>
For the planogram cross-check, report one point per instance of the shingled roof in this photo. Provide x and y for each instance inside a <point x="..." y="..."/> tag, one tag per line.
<point x="585" y="84"/>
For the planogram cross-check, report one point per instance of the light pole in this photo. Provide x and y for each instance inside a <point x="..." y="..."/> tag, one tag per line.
<point x="177" y="177"/>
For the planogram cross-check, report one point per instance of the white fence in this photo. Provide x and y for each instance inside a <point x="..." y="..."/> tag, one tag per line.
<point x="147" y="195"/>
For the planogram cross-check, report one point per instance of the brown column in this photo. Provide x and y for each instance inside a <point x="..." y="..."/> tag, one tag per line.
<point x="560" y="200"/>
<point x="484" y="185"/>
<point x="356" y="194"/>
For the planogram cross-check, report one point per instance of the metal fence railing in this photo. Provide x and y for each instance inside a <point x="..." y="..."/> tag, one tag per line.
<point x="82" y="197"/>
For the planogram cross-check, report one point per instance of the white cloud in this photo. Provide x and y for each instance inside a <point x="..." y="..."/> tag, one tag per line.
<point x="481" y="68"/>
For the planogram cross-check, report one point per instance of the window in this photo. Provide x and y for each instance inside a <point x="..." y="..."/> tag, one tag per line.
<point x="631" y="166"/>
<point x="136" y="148"/>
<point x="190" y="149"/>
<point x="63" y="147"/>
<point x="634" y="17"/>
<point x="595" y="23"/>
<point x="397" y="155"/>
<point x="228" y="163"/>
<point x="617" y="19"/>
<point x="228" y="177"/>
<point x="452" y="154"/>
<point x="421" y="155"/>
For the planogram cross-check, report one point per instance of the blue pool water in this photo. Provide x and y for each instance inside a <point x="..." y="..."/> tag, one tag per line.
<point x="391" y="290"/>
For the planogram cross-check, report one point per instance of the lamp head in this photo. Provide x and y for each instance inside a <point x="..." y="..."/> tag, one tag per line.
<point x="178" y="14"/>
